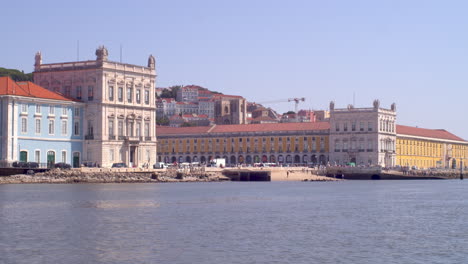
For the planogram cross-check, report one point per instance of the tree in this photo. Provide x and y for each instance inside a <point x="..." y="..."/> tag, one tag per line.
<point x="16" y="75"/>
<point x="188" y="124"/>
<point x="162" y="121"/>
<point x="170" y="92"/>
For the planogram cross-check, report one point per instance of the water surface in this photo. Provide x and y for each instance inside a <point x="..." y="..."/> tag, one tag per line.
<point x="236" y="222"/>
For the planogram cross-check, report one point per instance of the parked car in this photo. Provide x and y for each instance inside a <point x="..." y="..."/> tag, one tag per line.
<point x="119" y="165"/>
<point x="159" y="165"/>
<point x="23" y="164"/>
<point x="62" y="165"/>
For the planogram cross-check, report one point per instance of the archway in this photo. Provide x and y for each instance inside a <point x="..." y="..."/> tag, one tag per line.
<point x="248" y="159"/>
<point x="322" y="160"/>
<point x="288" y="159"/>
<point x="195" y="159"/>
<point x="280" y="159"/>
<point x="256" y="159"/>
<point x="188" y="159"/>
<point x="297" y="159"/>
<point x="241" y="159"/>
<point x="202" y="159"/>
<point x="233" y="160"/>
<point x="264" y="159"/>
<point x="305" y="159"/>
<point x="313" y="159"/>
<point x="272" y="159"/>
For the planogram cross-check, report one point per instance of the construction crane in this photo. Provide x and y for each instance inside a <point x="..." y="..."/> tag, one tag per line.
<point x="296" y="101"/>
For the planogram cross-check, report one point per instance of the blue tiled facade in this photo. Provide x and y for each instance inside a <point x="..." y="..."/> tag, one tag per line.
<point x="50" y="132"/>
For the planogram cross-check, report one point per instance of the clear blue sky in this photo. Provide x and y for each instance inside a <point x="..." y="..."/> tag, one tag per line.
<point x="414" y="53"/>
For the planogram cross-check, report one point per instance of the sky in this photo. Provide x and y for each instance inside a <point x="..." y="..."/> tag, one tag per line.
<point x="411" y="52"/>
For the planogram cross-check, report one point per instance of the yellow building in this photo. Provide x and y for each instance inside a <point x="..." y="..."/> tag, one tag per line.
<point x="430" y="148"/>
<point x="287" y="143"/>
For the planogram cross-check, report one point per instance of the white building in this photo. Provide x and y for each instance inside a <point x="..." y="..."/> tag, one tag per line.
<point x="363" y="136"/>
<point x="120" y="111"/>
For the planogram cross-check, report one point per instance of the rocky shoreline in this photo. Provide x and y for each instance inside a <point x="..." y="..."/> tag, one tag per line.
<point x="73" y="176"/>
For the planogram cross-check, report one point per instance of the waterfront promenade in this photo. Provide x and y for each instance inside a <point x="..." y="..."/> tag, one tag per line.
<point x="139" y="175"/>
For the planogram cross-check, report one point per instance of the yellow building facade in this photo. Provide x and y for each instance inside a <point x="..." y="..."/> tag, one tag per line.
<point x="428" y="148"/>
<point x="290" y="143"/>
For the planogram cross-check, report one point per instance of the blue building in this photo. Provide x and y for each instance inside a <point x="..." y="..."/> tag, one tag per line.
<point x="39" y="125"/>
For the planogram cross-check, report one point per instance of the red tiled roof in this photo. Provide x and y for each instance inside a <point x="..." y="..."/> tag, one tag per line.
<point x="244" y="128"/>
<point x="165" y="130"/>
<point x="429" y="133"/>
<point x="28" y="89"/>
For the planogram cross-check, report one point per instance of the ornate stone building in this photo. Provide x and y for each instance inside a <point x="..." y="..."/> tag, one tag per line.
<point x="120" y="110"/>
<point x="363" y="136"/>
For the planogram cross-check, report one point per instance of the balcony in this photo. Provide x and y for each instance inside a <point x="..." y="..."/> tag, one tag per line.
<point x="89" y="137"/>
<point x="112" y="137"/>
<point x="147" y="138"/>
<point x="122" y="138"/>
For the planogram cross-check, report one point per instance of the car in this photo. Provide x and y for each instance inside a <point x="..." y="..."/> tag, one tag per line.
<point x="119" y="165"/>
<point x="62" y="165"/>
<point x="159" y="165"/>
<point x="24" y="164"/>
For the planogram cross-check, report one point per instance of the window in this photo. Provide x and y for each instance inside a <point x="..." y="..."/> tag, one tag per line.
<point x="361" y="126"/>
<point x="68" y="91"/>
<point x="120" y="128"/>
<point x="78" y="92"/>
<point x="337" y="128"/>
<point x="111" y="93"/>
<point x="90" y="93"/>
<point x="111" y="127"/>
<point x="369" y="126"/>
<point x="24" y="108"/>
<point x="51" y="110"/>
<point x="147" y="132"/>
<point x="51" y="127"/>
<point x="38" y="108"/>
<point x="64" y="156"/>
<point x="130" y="129"/>
<point x="120" y="94"/>
<point x="138" y="129"/>
<point x="37" y="156"/>
<point x="64" y="110"/>
<point x="76" y="128"/>
<point x="129" y="95"/>
<point x="345" y="126"/>
<point x="24" y="125"/>
<point x="90" y="128"/>
<point x="64" y="127"/>
<point x="77" y="111"/>
<point x="353" y="126"/>
<point x="138" y="96"/>
<point x="38" y="126"/>
<point x="146" y="97"/>
<point x="111" y="155"/>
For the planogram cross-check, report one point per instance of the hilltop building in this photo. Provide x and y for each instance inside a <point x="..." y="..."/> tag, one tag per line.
<point x="120" y="110"/>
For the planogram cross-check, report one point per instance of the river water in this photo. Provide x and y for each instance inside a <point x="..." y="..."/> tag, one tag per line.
<point x="236" y="222"/>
